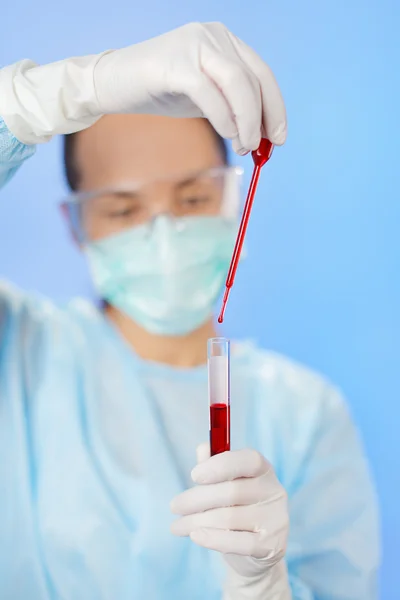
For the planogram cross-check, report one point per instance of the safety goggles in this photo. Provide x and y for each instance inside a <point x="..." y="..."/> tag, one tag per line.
<point x="98" y="214"/>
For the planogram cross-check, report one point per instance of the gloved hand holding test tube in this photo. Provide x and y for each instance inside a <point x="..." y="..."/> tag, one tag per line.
<point x="237" y="507"/>
<point x="219" y="394"/>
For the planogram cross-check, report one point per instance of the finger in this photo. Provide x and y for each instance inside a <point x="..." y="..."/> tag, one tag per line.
<point x="239" y="492"/>
<point x="242" y="92"/>
<point x="203" y="92"/>
<point x="238" y="148"/>
<point x="230" y="465"/>
<point x="203" y="452"/>
<point x="228" y="542"/>
<point x="238" y="518"/>
<point x="273" y="107"/>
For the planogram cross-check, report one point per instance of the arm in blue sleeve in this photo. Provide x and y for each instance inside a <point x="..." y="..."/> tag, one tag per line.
<point x="12" y="153"/>
<point x="334" y="549"/>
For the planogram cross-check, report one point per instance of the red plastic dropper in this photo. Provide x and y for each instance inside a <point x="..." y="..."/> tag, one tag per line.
<point x="260" y="157"/>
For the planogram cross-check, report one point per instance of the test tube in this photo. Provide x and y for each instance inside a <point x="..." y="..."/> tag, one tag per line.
<point x="219" y="394"/>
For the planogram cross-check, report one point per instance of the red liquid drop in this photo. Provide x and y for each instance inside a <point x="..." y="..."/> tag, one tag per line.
<point x="220" y="428"/>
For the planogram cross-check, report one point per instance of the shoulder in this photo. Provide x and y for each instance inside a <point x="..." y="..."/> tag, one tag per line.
<point x="279" y="376"/>
<point x="16" y="303"/>
<point x="36" y="335"/>
<point x="29" y="316"/>
<point x="13" y="300"/>
<point x="292" y="408"/>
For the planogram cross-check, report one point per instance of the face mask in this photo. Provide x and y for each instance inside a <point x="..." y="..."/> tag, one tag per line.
<point x="166" y="276"/>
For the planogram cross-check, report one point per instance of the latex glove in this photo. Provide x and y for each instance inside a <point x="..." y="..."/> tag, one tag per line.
<point x="196" y="70"/>
<point x="239" y="509"/>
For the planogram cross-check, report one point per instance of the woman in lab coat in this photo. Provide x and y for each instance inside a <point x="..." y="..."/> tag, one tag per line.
<point x="102" y="409"/>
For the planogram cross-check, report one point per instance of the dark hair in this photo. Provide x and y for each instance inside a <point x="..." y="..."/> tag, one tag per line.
<point x="71" y="168"/>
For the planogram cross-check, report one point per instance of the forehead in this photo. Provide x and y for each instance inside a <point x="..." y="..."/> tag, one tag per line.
<point x="142" y="147"/>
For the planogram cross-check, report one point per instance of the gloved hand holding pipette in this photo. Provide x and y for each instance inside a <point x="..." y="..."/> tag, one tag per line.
<point x="196" y="70"/>
<point x="239" y="508"/>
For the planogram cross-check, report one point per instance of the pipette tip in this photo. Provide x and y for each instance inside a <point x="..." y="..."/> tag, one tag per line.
<point x="222" y="313"/>
<point x="224" y="301"/>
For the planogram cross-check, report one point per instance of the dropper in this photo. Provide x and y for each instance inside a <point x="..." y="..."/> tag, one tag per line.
<point x="260" y="157"/>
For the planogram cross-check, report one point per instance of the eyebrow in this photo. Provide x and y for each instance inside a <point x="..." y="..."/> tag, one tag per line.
<point x="118" y="195"/>
<point x="185" y="182"/>
<point x="126" y="193"/>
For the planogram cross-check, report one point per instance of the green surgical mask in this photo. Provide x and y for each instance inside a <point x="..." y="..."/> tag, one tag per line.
<point x="167" y="275"/>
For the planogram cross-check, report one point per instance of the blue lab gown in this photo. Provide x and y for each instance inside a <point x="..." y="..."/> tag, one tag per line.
<point x="95" y="442"/>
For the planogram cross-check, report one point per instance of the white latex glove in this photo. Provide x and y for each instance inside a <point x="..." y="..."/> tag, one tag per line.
<point x="239" y="509"/>
<point x="196" y="70"/>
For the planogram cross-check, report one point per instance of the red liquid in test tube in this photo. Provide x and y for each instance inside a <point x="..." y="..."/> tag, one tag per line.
<point x="219" y="394"/>
<point x="219" y="428"/>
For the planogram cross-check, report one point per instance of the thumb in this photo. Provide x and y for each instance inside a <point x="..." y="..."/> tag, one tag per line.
<point x="203" y="452"/>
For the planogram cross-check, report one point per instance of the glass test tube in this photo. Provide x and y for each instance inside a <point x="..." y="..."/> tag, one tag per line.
<point x="219" y="394"/>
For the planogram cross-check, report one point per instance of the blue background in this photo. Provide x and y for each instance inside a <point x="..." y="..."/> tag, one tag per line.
<point x="322" y="282"/>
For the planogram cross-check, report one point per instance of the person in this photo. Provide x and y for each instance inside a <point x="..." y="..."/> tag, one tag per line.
<point x="103" y="407"/>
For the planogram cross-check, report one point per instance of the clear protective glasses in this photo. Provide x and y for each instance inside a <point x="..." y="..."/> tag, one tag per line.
<point x="98" y="214"/>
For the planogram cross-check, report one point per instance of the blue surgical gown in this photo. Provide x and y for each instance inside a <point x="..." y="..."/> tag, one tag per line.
<point x="95" y="442"/>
